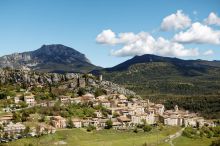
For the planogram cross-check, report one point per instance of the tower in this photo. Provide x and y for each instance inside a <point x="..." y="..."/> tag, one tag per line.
<point x="176" y="109"/>
<point x="100" y="78"/>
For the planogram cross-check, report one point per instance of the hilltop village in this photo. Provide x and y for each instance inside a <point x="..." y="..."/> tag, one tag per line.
<point x="86" y="101"/>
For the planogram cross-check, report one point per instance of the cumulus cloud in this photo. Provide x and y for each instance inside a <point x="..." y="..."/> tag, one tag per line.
<point x="208" y="52"/>
<point x="143" y="43"/>
<point x="176" y="21"/>
<point x="106" y="37"/>
<point x="198" y="33"/>
<point x="212" y="19"/>
<point x="109" y="37"/>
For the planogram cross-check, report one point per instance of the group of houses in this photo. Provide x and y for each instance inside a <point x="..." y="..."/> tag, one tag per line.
<point x="125" y="113"/>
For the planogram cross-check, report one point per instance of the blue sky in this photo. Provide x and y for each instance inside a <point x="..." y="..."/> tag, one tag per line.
<point x="25" y="25"/>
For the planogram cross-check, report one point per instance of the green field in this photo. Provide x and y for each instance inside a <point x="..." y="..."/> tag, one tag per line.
<point x="79" y="137"/>
<point x="184" y="141"/>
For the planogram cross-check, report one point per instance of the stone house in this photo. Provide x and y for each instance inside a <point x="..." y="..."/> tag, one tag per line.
<point x="58" y="122"/>
<point x="6" y="118"/>
<point x="124" y="120"/>
<point x="139" y="110"/>
<point x="173" y="120"/>
<point x="29" y="100"/>
<point x="64" y="99"/>
<point x="14" y="128"/>
<point x="102" y="97"/>
<point x="159" y="109"/>
<point x="95" y="122"/>
<point x="116" y="124"/>
<point x="122" y="98"/>
<point x="98" y="114"/>
<point x="86" y="122"/>
<point x="75" y="100"/>
<point x="17" y="99"/>
<point x="46" y="129"/>
<point x="106" y="103"/>
<point x="102" y="122"/>
<point x="77" y="122"/>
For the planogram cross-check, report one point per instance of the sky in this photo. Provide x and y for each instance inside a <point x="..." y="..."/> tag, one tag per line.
<point x="110" y="32"/>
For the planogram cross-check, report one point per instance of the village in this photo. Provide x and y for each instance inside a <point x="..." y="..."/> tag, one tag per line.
<point x="116" y="108"/>
<point x="124" y="113"/>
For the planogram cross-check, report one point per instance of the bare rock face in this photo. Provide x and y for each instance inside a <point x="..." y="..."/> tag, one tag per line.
<point x="49" y="58"/>
<point x="71" y="81"/>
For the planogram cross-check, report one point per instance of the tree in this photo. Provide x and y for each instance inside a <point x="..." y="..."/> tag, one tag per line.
<point x="108" y="124"/>
<point x="90" y="128"/>
<point x="23" y="104"/>
<point x="147" y="128"/>
<point x="3" y="95"/>
<point x="215" y="143"/>
<point x="38" y="130"/>
<point x="81" y="91"/>
<point x="26" y="130"/>
<point x="16" y="117"/>
<point x="24" y="116"/>
<point x="70" y="124"/>
<point x="6" y="135"/>
<point x="99" y="92"/>
<point x="136" y="130"/>
<point x="42" y="119"/>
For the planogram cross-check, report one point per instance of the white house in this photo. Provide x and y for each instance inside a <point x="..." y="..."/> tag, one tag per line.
<point x="30" y="100"/>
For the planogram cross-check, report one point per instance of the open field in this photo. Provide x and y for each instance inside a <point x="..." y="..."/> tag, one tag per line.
<point x="184" y="141"/>
<point x="79" y="137"/>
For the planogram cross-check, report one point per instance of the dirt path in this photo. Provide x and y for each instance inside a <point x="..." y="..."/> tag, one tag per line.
<point x="174" y="136"/>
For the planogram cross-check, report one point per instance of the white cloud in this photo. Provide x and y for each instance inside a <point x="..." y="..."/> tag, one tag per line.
<point x="208" y="52"/>
<point x="144" y="43"/>
<point x="176" y="21"/>
<point x="198" y="33"/>
<point x="106" y="37"/>
<point x="212" y="19"/>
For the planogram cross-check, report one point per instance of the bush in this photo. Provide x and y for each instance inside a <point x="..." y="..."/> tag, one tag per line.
<point x="135" y="130"/>
<point x="189" y="132"/>
<point x="215" y="143"/>
<point x="90" y="128"/>
<point x="70" y="124"/>
<point x="108" y="124"/>
<point x="147" y="128"/>
<point x="99" y="92"/>
<point x="81" y="91"/>
<point x="216" y="131"/>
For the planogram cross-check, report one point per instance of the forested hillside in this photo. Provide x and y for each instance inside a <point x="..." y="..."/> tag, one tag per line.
<point x="192" y="84"/>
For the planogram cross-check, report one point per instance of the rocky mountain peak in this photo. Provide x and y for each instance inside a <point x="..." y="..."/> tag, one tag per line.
<point x="49" y="58"/>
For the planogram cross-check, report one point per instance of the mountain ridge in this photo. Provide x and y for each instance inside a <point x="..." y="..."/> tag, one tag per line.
<point x="49" y="58"/>
<point x="154" y="58"/>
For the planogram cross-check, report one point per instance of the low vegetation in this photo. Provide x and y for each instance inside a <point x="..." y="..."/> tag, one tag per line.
<point x="73" y="137"/>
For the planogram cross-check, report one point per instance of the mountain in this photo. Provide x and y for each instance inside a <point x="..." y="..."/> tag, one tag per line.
<point x="49" y="58"/>
<point x="148" y="58"/>
<point x="149" y="74"/>
<point x="192" y="84"/>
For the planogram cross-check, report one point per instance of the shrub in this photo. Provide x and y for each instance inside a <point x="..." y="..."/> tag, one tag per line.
<point x="215" y="143"/>
<point x="81" y="91"/>
<point x="90" y="128"/>
<point x="147" y="128"/>
<point x="108" y="124"/>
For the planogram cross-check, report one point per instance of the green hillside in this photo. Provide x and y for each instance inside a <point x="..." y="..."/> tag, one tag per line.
<point x="192" y="84"/>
